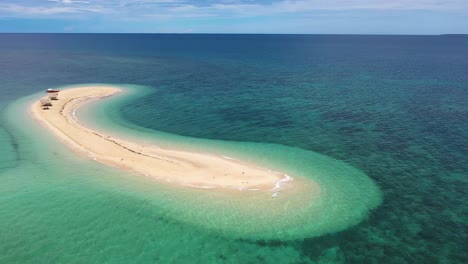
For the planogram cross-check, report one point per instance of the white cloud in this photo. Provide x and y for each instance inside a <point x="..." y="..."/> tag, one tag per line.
<point x="14" y="9"/>
<point x="173" y="9"/>
<point x="69" y="1"/>
<point x="298" y="6"/>
<point x="251" y="8"/>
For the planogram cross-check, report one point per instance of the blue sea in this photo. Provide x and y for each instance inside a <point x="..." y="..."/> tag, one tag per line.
<point x="381" y="122"/>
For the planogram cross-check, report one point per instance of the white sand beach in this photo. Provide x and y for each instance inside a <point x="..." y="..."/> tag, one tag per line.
<point x="175" y="166"/>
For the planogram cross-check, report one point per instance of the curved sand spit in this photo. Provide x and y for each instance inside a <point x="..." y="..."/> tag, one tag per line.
<point x="175" y="166"/>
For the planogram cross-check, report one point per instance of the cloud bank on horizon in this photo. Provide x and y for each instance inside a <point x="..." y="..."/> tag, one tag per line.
<point x="236" y="16"/>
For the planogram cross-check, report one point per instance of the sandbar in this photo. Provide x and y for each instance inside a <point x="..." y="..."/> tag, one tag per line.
<point x="187" y="168"/>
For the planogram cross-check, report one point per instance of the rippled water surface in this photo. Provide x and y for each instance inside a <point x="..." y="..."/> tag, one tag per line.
<point x="393" y="107"/>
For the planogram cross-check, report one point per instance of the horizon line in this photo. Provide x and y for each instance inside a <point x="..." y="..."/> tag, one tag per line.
<point x="201" y="33"/>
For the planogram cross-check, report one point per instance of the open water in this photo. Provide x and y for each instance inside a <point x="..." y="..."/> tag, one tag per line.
<point x="380" y="121"/>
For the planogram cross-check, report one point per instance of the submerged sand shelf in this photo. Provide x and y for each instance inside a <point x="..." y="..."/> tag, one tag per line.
<point x="186" y="168"/>
<point x="326" y="195"/>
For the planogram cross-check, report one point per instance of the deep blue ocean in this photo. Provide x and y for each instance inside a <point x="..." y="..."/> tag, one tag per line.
<point x="395" y="107"/>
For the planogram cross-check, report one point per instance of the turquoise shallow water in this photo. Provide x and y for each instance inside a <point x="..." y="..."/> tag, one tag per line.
<point x="71" y="203"/>
<point x="392" y="107"/>
<point x="346" y="194"/>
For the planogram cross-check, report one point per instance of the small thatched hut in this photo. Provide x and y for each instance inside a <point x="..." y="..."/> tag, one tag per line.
<point x="53" y="94"/>
<point x="45" y="103"/>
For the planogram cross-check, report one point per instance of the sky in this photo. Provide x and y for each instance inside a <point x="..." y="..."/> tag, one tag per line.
<point x="236" y="16"/>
